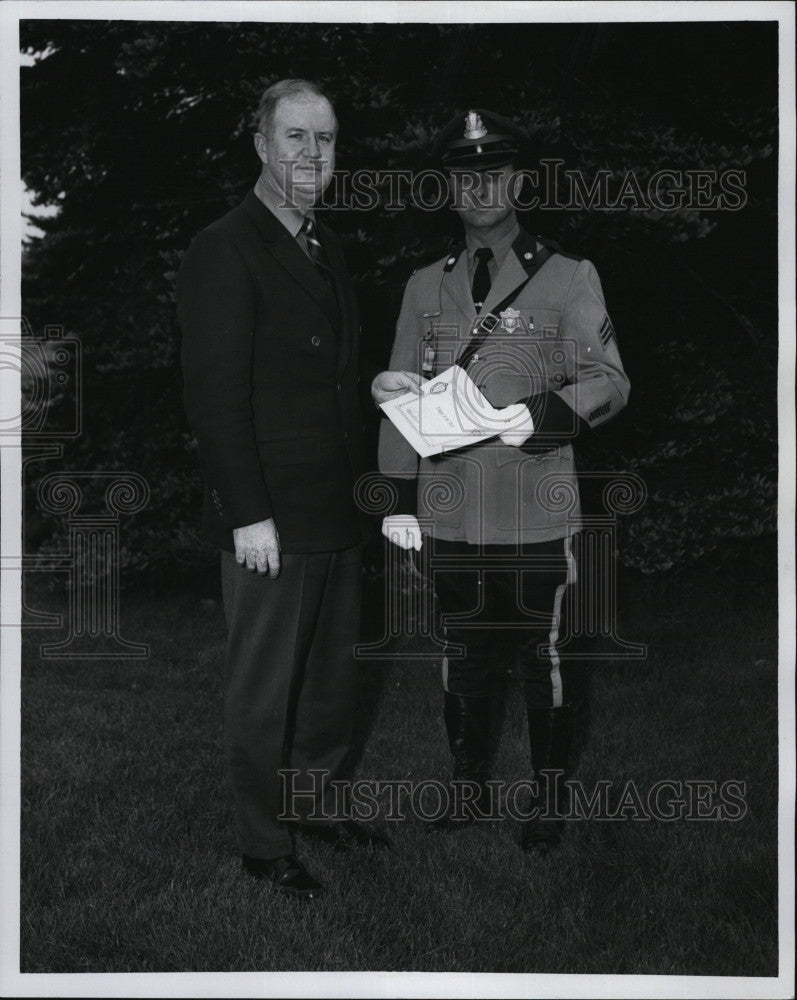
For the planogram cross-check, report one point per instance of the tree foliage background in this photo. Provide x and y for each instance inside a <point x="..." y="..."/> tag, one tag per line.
<point x="140" y="133"/>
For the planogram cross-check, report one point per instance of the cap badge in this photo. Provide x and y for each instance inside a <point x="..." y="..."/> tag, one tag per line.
<point x="474" y="126"/>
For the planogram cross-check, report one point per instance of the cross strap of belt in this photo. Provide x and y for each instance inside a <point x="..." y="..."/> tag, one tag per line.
<point x="488" y="323"/>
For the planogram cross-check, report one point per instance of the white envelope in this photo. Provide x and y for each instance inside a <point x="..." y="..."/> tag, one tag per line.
<point x="449" y="413"/>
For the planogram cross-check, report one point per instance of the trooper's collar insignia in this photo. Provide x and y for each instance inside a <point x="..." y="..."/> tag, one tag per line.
<point x="474" y="126"/>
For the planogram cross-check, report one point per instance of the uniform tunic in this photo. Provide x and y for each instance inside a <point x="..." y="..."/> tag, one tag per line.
<point x="560" y="357"/>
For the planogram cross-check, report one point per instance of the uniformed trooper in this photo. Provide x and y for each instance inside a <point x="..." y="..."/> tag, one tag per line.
<point x="496" y="519"/>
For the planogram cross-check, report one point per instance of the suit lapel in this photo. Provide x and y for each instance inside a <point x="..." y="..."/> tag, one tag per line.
<point x="284" y="248"/>
<point x="344" y="293"/>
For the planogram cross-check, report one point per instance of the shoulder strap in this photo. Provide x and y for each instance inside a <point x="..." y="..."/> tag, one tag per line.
<point x="553" y="245"/>
<point x="453" y="256"/>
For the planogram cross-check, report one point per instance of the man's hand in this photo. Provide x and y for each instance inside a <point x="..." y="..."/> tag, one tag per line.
<point x="520" y="426"/>
<point x="258" y="547"/>
<point x="403" y="530"/>
<point x="389" y="385"/>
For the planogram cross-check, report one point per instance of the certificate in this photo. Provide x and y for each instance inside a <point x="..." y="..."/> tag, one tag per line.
<point x="450" y="412"/>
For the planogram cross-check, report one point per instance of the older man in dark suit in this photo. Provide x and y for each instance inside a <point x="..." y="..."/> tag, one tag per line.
<point x="270" y="356"/>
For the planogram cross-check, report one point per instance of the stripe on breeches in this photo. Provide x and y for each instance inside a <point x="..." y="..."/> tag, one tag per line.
<point x="445" y="673"/>
<point x="553" y="637"/>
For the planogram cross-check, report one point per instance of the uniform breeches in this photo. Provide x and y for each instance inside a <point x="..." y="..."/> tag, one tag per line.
<point x="502" y="603"/>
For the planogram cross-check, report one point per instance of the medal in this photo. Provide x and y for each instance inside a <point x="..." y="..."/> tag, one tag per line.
<point x="428" y="359"/>
<point x="428" y="353"/>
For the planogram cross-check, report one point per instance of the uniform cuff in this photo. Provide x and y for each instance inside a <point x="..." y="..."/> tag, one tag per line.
<point x="554" y="421"/>
<point x="407" y="490"/>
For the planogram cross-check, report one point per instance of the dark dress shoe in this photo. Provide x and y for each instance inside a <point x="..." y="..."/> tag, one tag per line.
<point x="287" y="875"/>
<point x="346" y="834"/>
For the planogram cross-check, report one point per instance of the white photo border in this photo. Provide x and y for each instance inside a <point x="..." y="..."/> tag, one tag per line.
<point x="383" y="984"/>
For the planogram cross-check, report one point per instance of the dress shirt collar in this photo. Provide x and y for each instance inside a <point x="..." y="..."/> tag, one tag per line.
<point x="500" y="248"/>
<point x="291" y="218"/>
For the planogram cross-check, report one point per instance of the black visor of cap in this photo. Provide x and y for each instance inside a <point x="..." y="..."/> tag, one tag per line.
<point x="500" y="145"/>
<point x="490" y="150"/>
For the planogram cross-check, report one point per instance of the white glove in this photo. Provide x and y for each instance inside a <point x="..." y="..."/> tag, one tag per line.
<point x="403" y="530"/>
<point x="521" y="426"/>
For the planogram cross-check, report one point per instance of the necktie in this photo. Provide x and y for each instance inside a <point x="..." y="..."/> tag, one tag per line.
<point x="316" y="251"/>
<point x="481" y="277"/>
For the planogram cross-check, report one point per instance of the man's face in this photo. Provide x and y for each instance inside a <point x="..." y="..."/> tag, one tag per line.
<point x="482" y="198"/>
<point x="299" y="152"/>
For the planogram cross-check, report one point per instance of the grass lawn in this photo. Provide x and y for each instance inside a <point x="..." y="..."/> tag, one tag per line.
<point x="128" y="862"/>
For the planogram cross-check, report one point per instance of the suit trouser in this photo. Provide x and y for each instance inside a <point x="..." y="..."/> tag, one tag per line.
<point x="289" y="685"/>
<point x="498" y="601"/>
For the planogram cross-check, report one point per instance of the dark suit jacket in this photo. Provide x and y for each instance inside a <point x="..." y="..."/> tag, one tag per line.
<point x="270" y="368"/>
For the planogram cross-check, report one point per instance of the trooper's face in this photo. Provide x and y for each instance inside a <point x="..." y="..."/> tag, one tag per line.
<point x="482" y="198"/>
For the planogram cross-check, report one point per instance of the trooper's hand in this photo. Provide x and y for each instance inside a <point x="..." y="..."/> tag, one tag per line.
<point x="389" y="385"/>
<point x="257" y="546"/>
<point x="403" y="530"/>
<point x="520" y="426"/>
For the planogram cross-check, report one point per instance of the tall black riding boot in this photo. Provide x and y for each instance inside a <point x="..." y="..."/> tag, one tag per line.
<point x="550" y="735"/>
<point x="467" y="719"/>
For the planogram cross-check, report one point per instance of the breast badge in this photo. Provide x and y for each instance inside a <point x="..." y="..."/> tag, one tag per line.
<point x="512" y="321"/>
